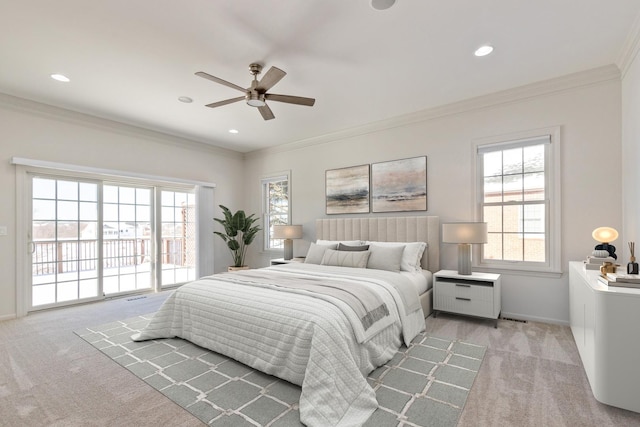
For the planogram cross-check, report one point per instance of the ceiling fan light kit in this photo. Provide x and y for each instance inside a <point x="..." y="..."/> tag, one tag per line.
<point x="256" y="95"/>
<point x="255" y="99"/>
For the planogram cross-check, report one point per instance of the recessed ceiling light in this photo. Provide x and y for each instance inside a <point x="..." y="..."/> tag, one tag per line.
<point x="483" y="50"/>
<point x="60" y="78"/>
<point x="382" y="4"/>
<point x="233" y="131"/>
<point x="185" y="99"/>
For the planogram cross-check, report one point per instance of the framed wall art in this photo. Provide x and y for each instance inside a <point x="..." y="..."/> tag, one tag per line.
<point x="347" y="190"/>
<point x="399" y="185"/>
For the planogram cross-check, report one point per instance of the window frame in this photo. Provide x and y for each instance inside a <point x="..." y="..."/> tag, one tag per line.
<point x="552" y="201"/>
<point x="266" y="232"/>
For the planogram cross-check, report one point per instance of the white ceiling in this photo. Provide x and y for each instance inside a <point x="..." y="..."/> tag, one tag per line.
<point x="129" y="61"/>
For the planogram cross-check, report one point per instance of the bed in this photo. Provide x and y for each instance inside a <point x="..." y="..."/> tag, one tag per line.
<point x="320" y="326"/>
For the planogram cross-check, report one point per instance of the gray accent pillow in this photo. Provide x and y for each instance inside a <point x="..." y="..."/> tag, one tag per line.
<point x="316" y="252"/>
<point x="385" y="257"/>
<point x="354" y="259"/>
<point x="343" y="247"/>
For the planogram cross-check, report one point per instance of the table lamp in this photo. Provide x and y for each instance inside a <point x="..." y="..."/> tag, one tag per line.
<point x="605" y="235"/>
<point x="287" y="232"/>
<point x="464" y="234"/>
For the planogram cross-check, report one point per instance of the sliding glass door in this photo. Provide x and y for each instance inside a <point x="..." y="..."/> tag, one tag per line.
<point x="126" y="238"/>
<point x="64" y="241"/>
<point x="90" y="239"/>
<point x="178" y="243"/>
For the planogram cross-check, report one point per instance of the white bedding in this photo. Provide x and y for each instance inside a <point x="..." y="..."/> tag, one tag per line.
<point x="295" y="336"/>
<point x="423" y="280"/>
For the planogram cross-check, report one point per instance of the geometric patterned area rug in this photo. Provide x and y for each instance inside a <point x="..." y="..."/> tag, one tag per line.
<point x="425" y="384"/>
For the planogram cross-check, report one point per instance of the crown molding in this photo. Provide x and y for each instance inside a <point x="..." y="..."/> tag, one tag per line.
<point x="630" y="48"/>
<point x="15" y="103"/>
<point x="544" y="88"/>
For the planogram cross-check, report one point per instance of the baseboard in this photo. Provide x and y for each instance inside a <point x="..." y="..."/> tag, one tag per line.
<point x="520" y="316"/>
<point x="8" y="317"/>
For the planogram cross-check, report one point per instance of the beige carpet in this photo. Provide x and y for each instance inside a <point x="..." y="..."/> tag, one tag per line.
<point x="531" y="375"/>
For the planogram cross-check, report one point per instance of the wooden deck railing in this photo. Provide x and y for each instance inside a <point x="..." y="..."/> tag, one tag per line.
<point x="73" y="256"/>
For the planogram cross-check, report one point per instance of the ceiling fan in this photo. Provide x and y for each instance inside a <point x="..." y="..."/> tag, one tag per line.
<point x="256" y="95"/>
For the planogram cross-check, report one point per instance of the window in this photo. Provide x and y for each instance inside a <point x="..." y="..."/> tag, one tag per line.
<point x="517" y="194"/>
<point x="276" y="209"/>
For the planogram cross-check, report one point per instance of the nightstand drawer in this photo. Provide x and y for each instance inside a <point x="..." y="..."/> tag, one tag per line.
<point x="474" y="292"/>
<point x="464" y="305"/>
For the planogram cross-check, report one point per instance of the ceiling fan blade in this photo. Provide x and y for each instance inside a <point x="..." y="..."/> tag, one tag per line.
<point x="266" y="112"/>
<point x="273" y="76"/>
<point x="219" y="80"/>
<point x="298" y="100"/>
<point x="225" y="102"/>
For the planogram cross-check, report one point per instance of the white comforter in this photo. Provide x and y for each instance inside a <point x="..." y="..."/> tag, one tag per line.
<point x="295" y="336"/>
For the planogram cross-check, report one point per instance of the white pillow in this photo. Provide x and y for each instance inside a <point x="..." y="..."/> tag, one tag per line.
<point x="385" y="257"/>
<point x="355" y="259"/>
<point x="411" y="255"/>
<point x="316" y="252"/>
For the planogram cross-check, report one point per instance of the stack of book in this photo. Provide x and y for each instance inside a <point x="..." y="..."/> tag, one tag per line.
<point x="594" y="263"/>
<point x="620" y="279"/>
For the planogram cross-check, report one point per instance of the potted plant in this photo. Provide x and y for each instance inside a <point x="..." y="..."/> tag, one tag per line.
<point x="239" y="232"/>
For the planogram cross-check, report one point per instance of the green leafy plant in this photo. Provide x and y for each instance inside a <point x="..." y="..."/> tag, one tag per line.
<point x="239" y="233"/>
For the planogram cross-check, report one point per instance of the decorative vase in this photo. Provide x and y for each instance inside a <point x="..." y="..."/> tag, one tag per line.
<point x="243" y="267"/>
<point x="632" y="267"/>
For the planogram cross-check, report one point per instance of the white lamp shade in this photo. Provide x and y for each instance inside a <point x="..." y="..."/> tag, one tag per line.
<point x="464" y="232"/>
<point x="605" y="234"/>
<point x="287" y="232"/>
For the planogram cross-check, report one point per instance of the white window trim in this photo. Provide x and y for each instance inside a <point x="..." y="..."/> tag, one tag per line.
<point x="554" y="196"/>
<point x="276" y="176"/>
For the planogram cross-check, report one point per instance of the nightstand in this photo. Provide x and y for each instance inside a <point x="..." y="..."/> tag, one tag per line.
<point x="279" y="261"/>
<point x="476" y="295"/>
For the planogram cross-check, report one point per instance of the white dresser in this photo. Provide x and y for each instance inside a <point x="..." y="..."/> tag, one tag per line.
<point x="477" y="294"/>
<point x="605" y="322"/>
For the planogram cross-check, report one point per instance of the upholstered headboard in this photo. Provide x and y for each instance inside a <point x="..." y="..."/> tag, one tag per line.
<point x="387" y="229"/>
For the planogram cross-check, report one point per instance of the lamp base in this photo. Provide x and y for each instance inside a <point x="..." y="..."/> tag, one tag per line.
<point x="288" y="249"/>
<point x="464" y="259"/>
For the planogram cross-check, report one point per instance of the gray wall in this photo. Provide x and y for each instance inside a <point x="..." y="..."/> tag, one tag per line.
<point x="36" y="131"/>
<point x="587" y="107"/>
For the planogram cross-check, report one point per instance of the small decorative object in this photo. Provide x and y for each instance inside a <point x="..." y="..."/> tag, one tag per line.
<point x="600" y="253"/>
<point x="287" y="232"/>
<point x="632" y="267"/>
<point x="607" y="267"/>
<point x="464" y="234"/>
<point x="605" y="235"/>
<point x="239" y="232"/>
